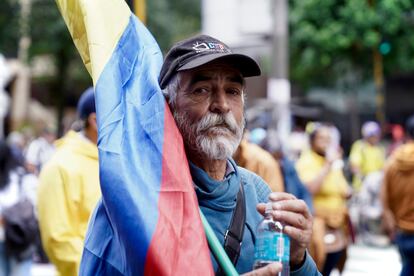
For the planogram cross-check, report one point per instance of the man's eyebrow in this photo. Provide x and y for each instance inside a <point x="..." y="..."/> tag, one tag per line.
<point x="237" y="78"/>
<point x="206" y="77"/>
<point x="198" y="78"/>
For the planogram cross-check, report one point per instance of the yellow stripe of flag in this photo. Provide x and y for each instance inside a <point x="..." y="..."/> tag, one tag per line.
<point x="95" y="26"/>
<point x="140" y="10"/>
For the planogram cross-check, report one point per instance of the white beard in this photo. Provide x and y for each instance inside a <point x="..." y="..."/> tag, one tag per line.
<point x="215" y="137"/>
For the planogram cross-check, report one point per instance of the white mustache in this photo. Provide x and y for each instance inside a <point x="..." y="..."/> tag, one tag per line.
<point x="211" y="120"/>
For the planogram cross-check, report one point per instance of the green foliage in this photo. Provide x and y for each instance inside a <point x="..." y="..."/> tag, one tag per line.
<point x="9" y="27"/>
<point x="50" y="36"/>
<point x="171" y="21"/>
<point x="326" y="34"/>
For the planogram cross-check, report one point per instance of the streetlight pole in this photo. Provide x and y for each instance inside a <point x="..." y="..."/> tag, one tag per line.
<point x="139" y="8"/>
<point x="379" y="86"/>
<point x="378" y="68"/>
<point x="278" y="88"/>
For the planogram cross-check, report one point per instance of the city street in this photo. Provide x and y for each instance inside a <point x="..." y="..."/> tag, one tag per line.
<point x="362" y="261"/>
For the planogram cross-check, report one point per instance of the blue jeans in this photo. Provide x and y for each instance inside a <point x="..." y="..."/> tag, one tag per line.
<point x="332" y="260"/>
<point x="405" y="243"/>
<point x="9" y="266"/>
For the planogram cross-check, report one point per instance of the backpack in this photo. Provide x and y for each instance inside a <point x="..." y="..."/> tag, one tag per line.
<point x="21" y="227"/>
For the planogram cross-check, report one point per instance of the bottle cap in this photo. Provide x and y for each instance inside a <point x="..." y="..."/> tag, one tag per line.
<point x="269" y="208"/>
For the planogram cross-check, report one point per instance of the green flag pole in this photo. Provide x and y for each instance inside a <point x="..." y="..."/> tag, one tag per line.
<point x="217" y="249"/>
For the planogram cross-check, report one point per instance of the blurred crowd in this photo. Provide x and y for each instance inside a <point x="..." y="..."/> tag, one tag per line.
<point x="48" y="189"/>
<point x="21" y="159"/>
<point x="362" y="196"/>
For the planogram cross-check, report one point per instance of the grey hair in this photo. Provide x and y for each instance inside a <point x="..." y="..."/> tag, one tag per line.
<point x="170" y="91"/>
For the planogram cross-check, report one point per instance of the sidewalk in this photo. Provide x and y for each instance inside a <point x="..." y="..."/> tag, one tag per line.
<point x="366" y="261"/>
<point x="43" y="270"/>
<point x="362" y="261"/>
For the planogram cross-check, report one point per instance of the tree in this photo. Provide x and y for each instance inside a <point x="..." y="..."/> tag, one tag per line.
<point x="171" y="21"/>
<point x="50" y="37"/>
<point x="9" y="27"/>
<point x="328" y="37"/>
<point x="168" y="21"/>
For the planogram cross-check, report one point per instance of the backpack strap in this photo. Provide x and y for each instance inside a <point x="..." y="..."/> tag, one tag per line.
<point x="234" y="235"/>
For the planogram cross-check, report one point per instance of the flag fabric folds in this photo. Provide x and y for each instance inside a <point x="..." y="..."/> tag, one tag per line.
<point x="147" y="222"/>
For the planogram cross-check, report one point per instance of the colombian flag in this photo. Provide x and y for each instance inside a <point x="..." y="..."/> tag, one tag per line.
<point x="147" y="222"/>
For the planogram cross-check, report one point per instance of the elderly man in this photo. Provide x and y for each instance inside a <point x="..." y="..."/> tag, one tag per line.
<point x="203" y="82"/>
<point x="205" y="88"/>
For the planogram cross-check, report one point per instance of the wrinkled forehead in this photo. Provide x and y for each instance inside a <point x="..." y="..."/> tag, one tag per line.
<point x="214" y="71"/>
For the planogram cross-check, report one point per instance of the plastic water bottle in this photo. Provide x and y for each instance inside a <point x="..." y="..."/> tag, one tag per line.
<point x="272" y="245"/>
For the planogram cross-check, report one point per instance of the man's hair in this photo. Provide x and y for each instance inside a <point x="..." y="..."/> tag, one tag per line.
<point x="85" y="122"/>
<point x="316" y="127"/>
<point x="80" y="124"/>
<point x="170" y="91"/>
<point x="409" y="127"/>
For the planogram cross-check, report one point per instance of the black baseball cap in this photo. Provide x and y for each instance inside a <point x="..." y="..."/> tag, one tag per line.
<point x="200" y="50"/>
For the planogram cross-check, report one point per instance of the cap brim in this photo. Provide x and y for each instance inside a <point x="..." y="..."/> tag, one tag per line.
<point x="248" y="67"/>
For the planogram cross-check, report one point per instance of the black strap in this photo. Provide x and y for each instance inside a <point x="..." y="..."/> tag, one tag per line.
<point x="234" y="235"/>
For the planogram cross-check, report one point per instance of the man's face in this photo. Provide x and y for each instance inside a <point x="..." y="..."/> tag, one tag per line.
<point x="50" y="137"/>
<point x="208" y="109"/>
<point x="322" y="141"/>
<point x="374" y="139"/>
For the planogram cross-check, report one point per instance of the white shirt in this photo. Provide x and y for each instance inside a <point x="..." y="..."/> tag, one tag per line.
<point x="39" y="152"/>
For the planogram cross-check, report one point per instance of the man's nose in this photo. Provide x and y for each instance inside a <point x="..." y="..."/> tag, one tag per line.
<point x="219" y="103"/>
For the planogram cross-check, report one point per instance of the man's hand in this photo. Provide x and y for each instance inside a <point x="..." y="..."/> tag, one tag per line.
<point x="295" y="214"/>
<point x="269" y="270"/>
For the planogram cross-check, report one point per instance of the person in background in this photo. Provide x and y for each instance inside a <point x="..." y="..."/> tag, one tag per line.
<point x="69" y="190"/>
<point x="12" y="187"/>
<point x="397" y="132"/>
<point x="40" y="150"/>
<point x="397" y="198"/>
<point x="17" y="143"/>
<point x="367" y="155"/>
<point x="326" y="182"/>
<point x="253" y="158"/>
<point x="293" y="185"/>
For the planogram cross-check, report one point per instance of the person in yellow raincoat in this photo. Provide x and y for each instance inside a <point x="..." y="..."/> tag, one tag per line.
<point x="367" y="155"/>
<point x="320" y="169"/>
<point x="69" y="190"/>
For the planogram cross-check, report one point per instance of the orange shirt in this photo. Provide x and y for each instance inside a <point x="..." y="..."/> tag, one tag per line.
<point x="399" y="186"/>
<point x="259" y="161"/>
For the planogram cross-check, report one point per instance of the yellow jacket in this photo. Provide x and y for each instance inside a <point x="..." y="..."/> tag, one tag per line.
<point x="67" y="194"/>
<point x="330" y="201"/>
<point x="368" y="158"/>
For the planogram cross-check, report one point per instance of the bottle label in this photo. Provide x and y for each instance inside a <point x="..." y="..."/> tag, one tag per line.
<point x="272" y="247"/>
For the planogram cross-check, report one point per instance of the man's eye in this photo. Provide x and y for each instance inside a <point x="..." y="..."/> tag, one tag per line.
<point x="234" y="91"/>
<point x="201" y="90"/>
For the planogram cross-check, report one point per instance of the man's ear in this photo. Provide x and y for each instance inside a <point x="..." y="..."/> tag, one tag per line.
<point x="92" y="121"/>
